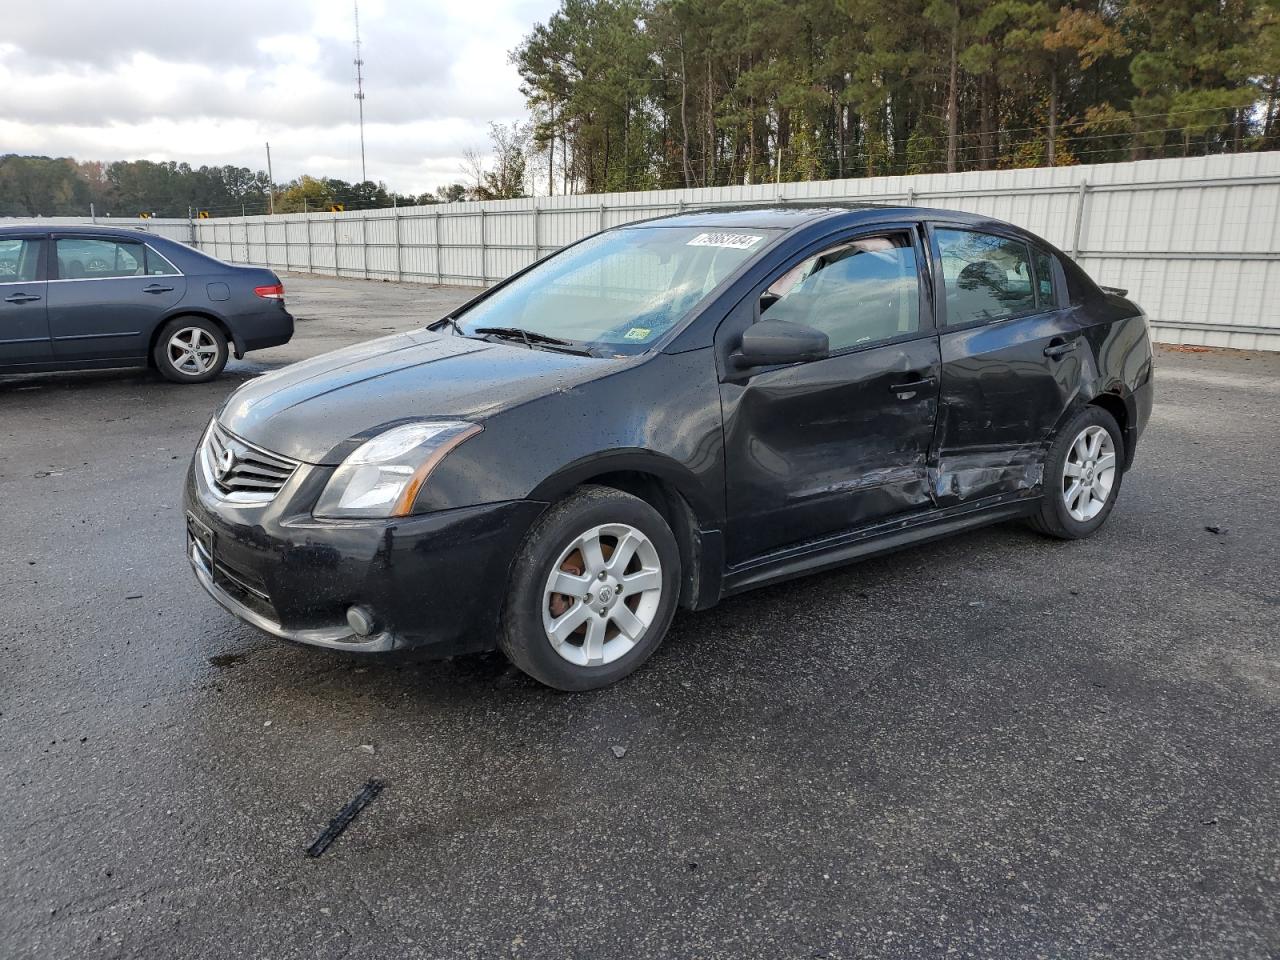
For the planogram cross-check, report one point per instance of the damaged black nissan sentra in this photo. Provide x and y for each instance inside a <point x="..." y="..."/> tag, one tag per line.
<point x="660" y="416"/>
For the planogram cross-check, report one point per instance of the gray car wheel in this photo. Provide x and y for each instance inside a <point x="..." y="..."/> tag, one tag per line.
<point x="593" y="590"/>
<point x="1082" y="475"/>
<point x="190" y="350"/>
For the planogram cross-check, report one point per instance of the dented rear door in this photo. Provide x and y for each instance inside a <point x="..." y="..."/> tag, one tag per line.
<point x="1006" y="380"/>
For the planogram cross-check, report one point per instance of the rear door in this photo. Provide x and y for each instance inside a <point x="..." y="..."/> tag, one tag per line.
<point x="24" y="324"/>
<point x="816" y="449"/>
<point x="103" y="302"/>
<point x="1011" y="355"/>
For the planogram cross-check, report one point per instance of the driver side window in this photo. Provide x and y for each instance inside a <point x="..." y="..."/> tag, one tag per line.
<point x="858" y="292"/>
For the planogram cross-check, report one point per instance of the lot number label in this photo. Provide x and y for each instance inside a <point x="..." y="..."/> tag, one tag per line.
<point x="737" y="241"/>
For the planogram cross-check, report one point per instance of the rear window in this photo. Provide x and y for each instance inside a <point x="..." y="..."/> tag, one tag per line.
<point x="986" y="277"/>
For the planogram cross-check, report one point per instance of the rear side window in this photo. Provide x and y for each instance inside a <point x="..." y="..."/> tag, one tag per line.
<point x="158" y="266"/>
<point x="860" y="292"/>
<point x="88" y="259"/>
<point x="986" y="277"/>
<point x="18" y="260"/>
<point x="1044" y="279"/>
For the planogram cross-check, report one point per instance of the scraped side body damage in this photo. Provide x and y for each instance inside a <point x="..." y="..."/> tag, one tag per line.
<point x="968" y="476"/>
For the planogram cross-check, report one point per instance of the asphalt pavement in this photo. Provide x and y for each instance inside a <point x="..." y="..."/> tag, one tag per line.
<point x="994" y="746"/>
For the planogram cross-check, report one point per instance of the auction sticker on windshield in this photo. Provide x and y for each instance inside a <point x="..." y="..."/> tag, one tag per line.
<point x="736" y="241"/>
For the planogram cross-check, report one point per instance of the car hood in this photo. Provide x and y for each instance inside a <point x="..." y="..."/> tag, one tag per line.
<point x="309" y="410"/>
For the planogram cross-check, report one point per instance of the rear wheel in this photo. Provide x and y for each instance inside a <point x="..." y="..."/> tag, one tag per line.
<point x="190" y="350"/>
<point x="593" y="590"/>
<point x="1082" y="476"/>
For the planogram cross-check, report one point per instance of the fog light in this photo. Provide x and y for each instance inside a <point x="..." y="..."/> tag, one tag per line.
<point x="361" y="621"/>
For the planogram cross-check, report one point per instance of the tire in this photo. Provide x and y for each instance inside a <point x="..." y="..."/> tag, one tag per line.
<point x="638" y="599"/>
<point x="181" y="366"/>
<point x="1087" y="512"/>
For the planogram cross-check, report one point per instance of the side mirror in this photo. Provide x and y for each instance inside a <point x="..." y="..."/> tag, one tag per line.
<point x="772" y="342"/>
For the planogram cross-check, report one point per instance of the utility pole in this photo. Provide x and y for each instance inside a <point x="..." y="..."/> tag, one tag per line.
<point x="271" y="184"/>
<point x="364" y="176"/>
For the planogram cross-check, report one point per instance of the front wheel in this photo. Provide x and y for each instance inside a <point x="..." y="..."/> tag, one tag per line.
<point x="190" y="350"/>
<point x="593" y="590"/>
<point x="1082" y="476"/>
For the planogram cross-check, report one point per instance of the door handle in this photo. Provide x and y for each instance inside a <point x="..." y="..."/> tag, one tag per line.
<point x="909" y="388"/>
<point x="913" y="384"/>
<point x="156" y="288"/>
<point x="21" y="298"/>
<point x="1060" y="348"/>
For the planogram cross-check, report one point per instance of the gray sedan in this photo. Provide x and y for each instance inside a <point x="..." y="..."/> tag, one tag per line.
<point x="83" y="298"/>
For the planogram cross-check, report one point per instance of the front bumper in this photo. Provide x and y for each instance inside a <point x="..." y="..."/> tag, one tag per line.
<point x="336" y="638"/>
<point x="435" y="581"/>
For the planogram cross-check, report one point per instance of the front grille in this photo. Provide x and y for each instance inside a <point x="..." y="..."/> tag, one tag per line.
<point x="240" y="471"/>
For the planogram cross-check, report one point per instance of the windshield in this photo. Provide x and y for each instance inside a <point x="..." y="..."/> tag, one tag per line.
<point x="620" y="291"/>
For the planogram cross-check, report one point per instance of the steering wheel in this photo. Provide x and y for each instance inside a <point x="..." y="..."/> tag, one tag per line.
<point x="96" y="265"/>
<point x="8" y="268"/>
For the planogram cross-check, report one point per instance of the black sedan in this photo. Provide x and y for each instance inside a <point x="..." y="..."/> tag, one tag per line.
<point x="663" y="415"/>
<point x="84" y="298"/>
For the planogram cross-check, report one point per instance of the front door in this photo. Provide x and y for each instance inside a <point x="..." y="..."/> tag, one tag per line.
<point x="103" y="304"/>
<point x="816" y="449"/>
<point x="24" y="324"/>
<point x="1011" y="357"/>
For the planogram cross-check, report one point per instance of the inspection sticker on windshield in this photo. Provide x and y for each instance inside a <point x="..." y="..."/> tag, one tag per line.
<point x="736" y="241"/>
<point x="637" y="333"/>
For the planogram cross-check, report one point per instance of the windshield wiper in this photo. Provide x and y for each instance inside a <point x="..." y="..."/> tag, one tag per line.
<point x="519" y="333"/>
<point x="531" y="337"/>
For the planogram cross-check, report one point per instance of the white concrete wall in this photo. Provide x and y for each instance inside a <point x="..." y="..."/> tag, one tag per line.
<point x="1195" y="241"/>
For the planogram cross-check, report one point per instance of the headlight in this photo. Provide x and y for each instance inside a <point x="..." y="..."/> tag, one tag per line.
<point x="382" y="478"/>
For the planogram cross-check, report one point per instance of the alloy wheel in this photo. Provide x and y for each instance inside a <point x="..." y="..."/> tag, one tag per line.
<point x="602" y="594"/>
<point x="1089" y="473"/>
<point x="193" y="351"/>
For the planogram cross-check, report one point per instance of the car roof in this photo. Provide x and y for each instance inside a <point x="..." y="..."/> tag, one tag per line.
<point x="78" y="230"/>
<point x="775" y="215"/>
<point x="792" y="215"/>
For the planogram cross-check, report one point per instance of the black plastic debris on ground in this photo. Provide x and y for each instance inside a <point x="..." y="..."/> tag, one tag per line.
<point x="348" y="813"/>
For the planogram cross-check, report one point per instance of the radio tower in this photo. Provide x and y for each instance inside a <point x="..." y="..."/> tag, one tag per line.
<point x="364" y="176"/>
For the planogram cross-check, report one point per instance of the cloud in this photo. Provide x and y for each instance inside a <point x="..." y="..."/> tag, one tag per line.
<point x="99" y="35"/>
<point x="210" y="83"/>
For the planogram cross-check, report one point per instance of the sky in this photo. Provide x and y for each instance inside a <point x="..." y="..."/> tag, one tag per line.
<point x="210" y="82"/>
